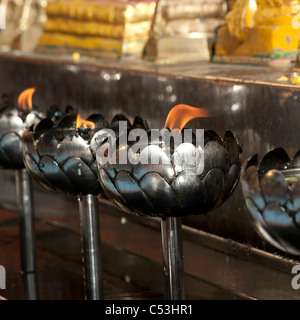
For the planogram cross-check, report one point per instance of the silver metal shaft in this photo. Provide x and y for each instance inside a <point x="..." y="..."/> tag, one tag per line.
<point x="90" y="237"/>
<point x="30" y="284"/>
<point x="27" y="231"/>
<point x="173" y="258"/>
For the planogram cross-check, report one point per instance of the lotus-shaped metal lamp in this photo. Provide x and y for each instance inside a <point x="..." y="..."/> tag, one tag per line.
<point x="61" y="156"/>
<point x="169" y="181"/>
<point x="14" y="121"/>
<point x="271" y="191"/>
<point x="173" y="188"/>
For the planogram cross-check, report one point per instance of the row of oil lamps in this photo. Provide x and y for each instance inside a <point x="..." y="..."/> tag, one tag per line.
<point x="64" y="153"/>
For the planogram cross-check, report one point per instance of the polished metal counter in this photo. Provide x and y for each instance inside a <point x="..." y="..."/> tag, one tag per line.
<point x="248" y="100"/>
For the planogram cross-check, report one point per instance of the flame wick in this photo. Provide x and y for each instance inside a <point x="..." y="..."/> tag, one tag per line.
<point x="84" y="123"/>
<point x="181" y="114"/>
<point x="25" y="99"/>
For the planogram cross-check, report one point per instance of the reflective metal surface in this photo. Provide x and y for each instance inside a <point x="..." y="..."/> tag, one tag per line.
<point x="90" y="237"/>
<point x="60" y="158"/>
<point x="169" y="189"/>
<point x="12" y="128"/>
<point x="271" y="190"/>
<point x="13" y="123"/>
<point x="173" y="258"/>
<point x="27" y="232"/>
<point x="247" y="99"/>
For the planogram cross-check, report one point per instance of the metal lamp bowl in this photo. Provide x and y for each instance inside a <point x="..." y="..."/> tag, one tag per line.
<point x="271" y="191"/>
<point x="62" y="158"/>
<point x="13" y="124"/>
<point x="169" y="190"/>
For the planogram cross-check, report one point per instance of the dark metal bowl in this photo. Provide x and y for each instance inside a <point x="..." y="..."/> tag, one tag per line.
<point x="169" y="190"/>
<point x="13" y="124"/>
<point x="271" y="191"/>
<point x="62" y="158"/>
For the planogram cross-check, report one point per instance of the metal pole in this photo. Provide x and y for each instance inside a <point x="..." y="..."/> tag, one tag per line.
<point x="30" y="281"/>
<point x="173" y="258"/>
<point x="90" y="237"/>
<point x="27" y="232"/>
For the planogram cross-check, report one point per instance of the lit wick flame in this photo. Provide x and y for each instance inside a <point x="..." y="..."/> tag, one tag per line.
<point x="181" y="114"/>
<point x="81" y="123"/>
<point x="25" y="99"/>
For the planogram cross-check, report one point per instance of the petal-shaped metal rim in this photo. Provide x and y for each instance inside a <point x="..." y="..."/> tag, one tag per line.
<point x="4" y="159"/>
<point x="109" y="169"/>
<point x="233" y="148"/>
<point x="160" y="195"/>
<point x="112" y="193"/>
<point x="11" y="145"/>
<point x="215" y="156"/>
<point x="73" y="145"/>
<point x="211" y="135"/>
<point x="68" y="122"/>
<point x="213" y="176"/>
<point x="99" y="120"/>
<point x="100" y="138"/>
<point x="251" y="161"/>
<point x="293" y="203"/>
<point x="251" y="187"/>
<point x="45" y="125"/>
<point x="82" y="177"/>
<point x="284" y="227"/>
<point x="191" y="194"/>
<point x="46" y="145"/>
<point x="57" y="155"/>
<point x="133" y="194"/>
<point x="139" y="122"/>
<point x="94" y="169"/>
<point x="261" y="226"/>
<point x="274" y="159"/>
<point x="55" y="175"/>
<point x="214" y="183"/>
<point x="8" y="108"/>
<point x="121" y="163"/>
<point x="274" y="187"/>
<point x="231" y="181"/>
<point x="144" y="165"/>
<point x="187" y="157"/>
<point x="119" y="117"/>
<point x="29" y="147"/>
<point x="36" y="173"/>
<point x="11" y="122"/>
<point x="295" y="161"/>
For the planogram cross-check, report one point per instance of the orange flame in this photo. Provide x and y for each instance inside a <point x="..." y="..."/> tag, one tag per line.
<point x="181" y="114"/>
<point x="25" y="98"/>
<point x="84" y="123"/>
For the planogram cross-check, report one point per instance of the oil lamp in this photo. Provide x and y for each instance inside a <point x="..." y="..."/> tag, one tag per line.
<point x="14" y="121"/>
<point x="162" y="180"/>
<point x="61" y="156"/>
<point x="271" y="189"/>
